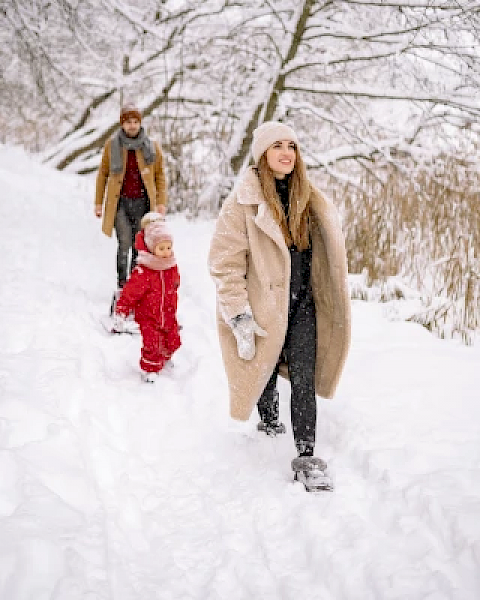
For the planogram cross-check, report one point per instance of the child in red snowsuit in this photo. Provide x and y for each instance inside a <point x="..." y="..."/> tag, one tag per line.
<point x="151" y="294"/>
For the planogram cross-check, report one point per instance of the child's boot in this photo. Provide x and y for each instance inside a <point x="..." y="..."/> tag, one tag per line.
<point x="149" y="377"/>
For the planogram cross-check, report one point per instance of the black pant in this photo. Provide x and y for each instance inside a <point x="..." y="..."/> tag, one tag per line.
<point x="127" y="224"/>
<point x="299" y="350"/>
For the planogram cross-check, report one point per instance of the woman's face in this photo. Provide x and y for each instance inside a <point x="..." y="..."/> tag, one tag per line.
<point x="281" y="158"/>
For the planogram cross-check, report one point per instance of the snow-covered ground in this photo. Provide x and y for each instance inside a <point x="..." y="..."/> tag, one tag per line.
<point x="115" y="489"/>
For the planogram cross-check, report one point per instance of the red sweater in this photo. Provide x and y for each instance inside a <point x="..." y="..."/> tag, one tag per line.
<point x="132" y="186"/>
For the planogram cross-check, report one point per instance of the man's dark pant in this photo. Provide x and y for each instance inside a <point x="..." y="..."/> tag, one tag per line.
<point x="300" y="350"/>
<point x="127" y="224"/>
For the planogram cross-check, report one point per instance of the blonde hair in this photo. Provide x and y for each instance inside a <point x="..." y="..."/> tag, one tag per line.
<point x="296" y="229"/>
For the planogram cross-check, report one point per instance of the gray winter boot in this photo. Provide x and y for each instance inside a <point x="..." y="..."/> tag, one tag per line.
<point x="272" y="429"/>
<point x="312" y="472"/>
<point x="268" y="410"/>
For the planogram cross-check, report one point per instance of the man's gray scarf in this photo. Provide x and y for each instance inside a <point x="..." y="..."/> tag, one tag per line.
<point x="121" y="140"/>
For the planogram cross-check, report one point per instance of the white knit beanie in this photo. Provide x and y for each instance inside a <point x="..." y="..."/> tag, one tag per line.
<point x="151" y="217"/>
<point x="267" y="134"/>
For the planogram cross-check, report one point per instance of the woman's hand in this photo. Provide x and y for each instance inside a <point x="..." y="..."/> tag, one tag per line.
<point x="244" y="329"/>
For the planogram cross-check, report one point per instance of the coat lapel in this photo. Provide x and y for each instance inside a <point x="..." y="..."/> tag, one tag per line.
<point x="250" y="192"/>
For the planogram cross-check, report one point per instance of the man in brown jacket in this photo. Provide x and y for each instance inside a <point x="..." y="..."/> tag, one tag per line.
<point x="132" y="173"/>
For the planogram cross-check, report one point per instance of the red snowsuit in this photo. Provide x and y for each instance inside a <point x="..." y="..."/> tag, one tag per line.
<point x="152" y="296"/>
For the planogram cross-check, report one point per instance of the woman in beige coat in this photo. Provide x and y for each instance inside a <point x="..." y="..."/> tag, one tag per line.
<point x="278" y="261"/>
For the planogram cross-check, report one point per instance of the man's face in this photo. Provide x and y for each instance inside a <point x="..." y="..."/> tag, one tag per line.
<point x="131" y="126"/>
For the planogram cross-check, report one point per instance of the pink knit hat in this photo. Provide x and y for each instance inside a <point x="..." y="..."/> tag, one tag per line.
<point x="156" y="232"/>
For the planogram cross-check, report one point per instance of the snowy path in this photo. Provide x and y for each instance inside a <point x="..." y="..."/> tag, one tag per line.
<point x="113" y="489"/>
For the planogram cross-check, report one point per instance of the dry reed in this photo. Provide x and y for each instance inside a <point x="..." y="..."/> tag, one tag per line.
<point x="426" y="231"/>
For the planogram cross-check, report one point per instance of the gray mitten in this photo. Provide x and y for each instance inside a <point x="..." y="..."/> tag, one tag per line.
<point x="244" y="329"/>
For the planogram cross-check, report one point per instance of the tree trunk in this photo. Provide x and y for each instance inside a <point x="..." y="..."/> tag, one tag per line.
<point x="265" y="110"/>
<point x="101" y="136"/>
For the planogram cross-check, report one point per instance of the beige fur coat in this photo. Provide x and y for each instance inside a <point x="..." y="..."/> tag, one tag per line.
<point x="250" y="265"/>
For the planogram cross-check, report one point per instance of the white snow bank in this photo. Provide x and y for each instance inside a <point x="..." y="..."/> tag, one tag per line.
<point x="114" y="489"/>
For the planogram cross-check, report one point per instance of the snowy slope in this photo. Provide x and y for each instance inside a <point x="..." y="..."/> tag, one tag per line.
<point x="114" y="489"/>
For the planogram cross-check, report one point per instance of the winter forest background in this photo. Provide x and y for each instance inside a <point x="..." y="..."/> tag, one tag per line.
<point x="385" y="97"/>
